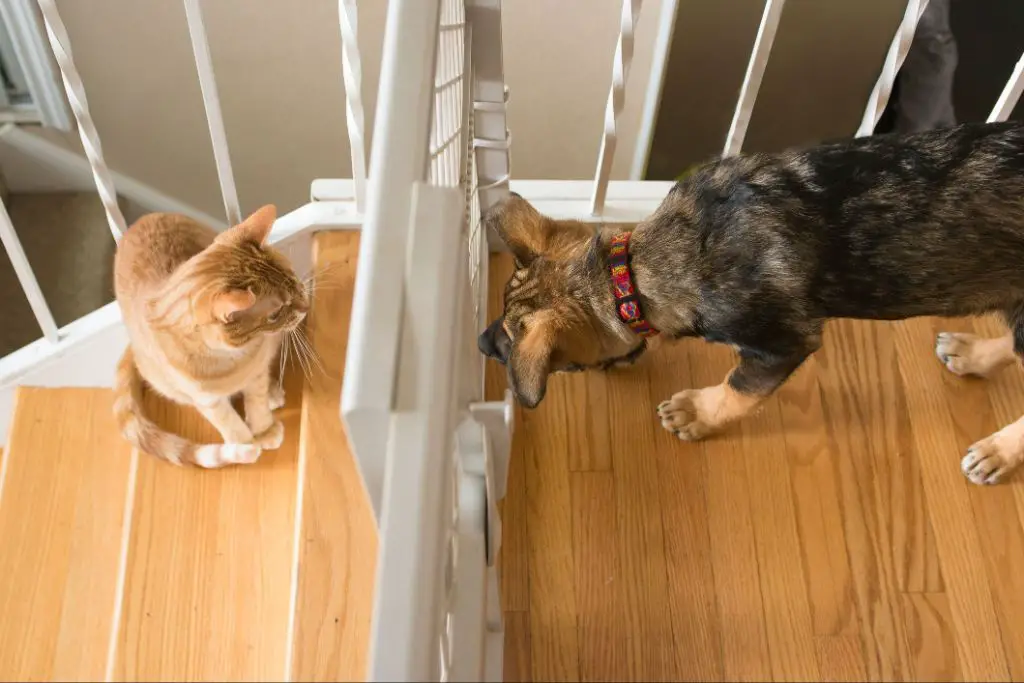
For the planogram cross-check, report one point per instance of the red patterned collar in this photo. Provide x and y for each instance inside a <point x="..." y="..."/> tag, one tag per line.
<point x="627" y="299"/>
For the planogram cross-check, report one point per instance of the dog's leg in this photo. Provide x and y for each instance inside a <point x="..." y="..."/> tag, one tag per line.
<point x="696" y="413"/>
<point x="969" y="354"/>
<point x="991" y="459"/>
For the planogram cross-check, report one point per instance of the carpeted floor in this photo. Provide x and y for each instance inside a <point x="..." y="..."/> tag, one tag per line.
<point x="68" y="243"/>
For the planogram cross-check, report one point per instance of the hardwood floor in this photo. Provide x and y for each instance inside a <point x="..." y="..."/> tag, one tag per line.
<point x="829" y="537"/>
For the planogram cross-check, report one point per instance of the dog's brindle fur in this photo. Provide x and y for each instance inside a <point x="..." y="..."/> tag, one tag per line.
<point x="758" y="251"/>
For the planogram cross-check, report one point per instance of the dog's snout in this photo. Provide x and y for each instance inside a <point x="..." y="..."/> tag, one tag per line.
<point x="494" y="342"/>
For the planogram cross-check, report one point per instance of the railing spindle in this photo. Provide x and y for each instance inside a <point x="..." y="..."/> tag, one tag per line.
<point x="616" y="98"/>
<point x="752" y="80"/>
<point x="61" y="46"/>
<point x="1011" y="94"/>
<point x="352" y="71"/>
<point x="652" y="99"/>
<point x="898" y="50"/>
<point x="27" y="278"/>
<point x="214" y="116"/>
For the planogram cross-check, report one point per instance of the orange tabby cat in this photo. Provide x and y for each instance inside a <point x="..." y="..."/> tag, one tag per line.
<point x="206" y="316"/>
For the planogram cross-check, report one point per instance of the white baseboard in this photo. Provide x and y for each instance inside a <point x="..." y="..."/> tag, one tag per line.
<point x="86" y="356"/>
<point x="43" y="166"/>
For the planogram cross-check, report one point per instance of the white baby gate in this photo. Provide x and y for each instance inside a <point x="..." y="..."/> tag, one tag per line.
<point x="432" y="452"/>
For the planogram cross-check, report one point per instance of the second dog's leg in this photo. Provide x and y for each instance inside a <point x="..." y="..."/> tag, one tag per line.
<point x="696" y="413"/>
<point x="988" y="461"/>
<point x="969" y="354"/>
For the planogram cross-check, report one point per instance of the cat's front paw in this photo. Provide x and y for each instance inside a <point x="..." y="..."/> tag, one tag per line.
<point x="276" y="396"/>
<point x="270" y="439"/>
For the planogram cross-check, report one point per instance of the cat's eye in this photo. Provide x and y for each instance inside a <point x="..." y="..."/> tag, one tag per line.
<point x="273" y="317"/>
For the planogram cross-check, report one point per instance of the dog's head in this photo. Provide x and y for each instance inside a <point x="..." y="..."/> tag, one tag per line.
<point x="556" y="302"/>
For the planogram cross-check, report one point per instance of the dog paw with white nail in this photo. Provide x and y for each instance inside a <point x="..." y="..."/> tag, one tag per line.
<point x="969" y="354"/>
<point x="991" y="459"/>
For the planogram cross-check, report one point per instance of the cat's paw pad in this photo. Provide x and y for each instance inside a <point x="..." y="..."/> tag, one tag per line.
<point x="212" y="456"/>
<point x="272" y="438"/>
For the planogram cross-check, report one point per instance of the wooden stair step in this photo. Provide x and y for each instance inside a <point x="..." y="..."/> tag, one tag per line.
<point x="262" y="572"/>
<point x="211" y="556"/>
<point x="338" y="552"/>
<point x="63" y="492"/>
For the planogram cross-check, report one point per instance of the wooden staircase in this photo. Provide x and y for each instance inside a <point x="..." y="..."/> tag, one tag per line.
<point x="122" y="568"/>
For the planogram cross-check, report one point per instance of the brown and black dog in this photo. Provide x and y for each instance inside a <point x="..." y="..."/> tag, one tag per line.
<point x="758" y="251"/>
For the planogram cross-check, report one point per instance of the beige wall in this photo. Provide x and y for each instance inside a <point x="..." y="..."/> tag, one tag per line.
<point x="826" y="58"/>
<point x="279" y="73"/>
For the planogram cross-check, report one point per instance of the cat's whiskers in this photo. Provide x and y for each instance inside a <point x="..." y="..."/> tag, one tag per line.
<point x="305" y="352"/>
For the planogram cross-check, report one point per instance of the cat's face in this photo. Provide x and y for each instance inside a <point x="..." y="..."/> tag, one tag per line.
<point x="236" y="290"/>
<point x="257" y="291"/>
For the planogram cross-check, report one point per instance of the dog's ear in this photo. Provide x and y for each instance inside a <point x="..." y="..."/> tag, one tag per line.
<point x="530" y="363"/>
<point x="529" y="234"/>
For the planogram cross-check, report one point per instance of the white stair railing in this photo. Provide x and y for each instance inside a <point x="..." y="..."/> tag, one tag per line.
<point x="752" y="79"/>
<point x="352" y="72"/>
<point x="214" y="116"/>
<point x="616" y="97"/>
<point x="399" y="154"/>
<point x="898" y="51"/>
<point x="445" y="450"/>
<point x="60" y="43"/>
<point x="27" y="278"/>
<point x="1010" y="95"/>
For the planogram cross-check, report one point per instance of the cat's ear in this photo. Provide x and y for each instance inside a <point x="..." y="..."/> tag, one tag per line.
<point x="228" y="304"/>
<point x="255" y="228"/>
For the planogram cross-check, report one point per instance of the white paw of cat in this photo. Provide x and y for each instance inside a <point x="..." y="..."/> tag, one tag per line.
<point x="212" y="456"/>
<point x="272" y="438"/>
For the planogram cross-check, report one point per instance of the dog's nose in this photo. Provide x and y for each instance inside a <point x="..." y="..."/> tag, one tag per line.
<point x="493" y="342"/>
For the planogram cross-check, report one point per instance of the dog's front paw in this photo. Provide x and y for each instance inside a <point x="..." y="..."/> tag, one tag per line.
<point x="686" y="415"/>
<point x="271" y="438"/>
<point x="969" y="354"/>
<point x="991" y="459"/>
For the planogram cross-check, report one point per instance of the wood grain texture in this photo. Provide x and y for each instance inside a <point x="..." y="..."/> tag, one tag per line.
<point x="517" y="667"/>
<point x="338" y="551"/>
<point x="682" y="468"/>
<point x="602" y="647"/>
<point x="641" y="537"/>
<point x="978" y="639"/>
<point x="61" y="512"/>
<point x="553" y="634"/>
<point x="840" y="658"/>
<point x="831" y="536"/>
<point x="865" y="417"/>
<point x="930" y="636"/>
<point x="514" y="554"/>
<point x="207" y="587"/>
<point x="744" y="639"/>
